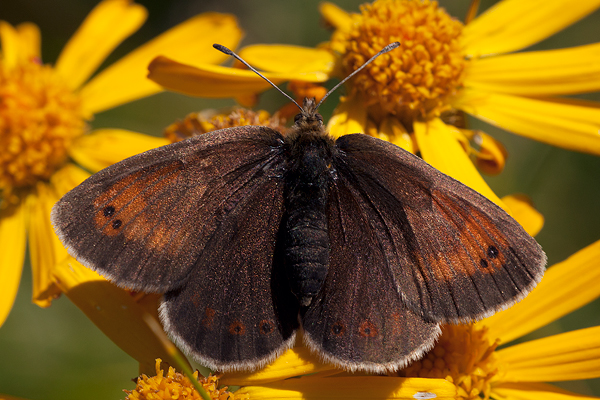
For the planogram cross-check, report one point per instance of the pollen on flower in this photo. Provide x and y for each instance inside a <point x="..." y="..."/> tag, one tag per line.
<point x="175" y="385"/>
<point x="464" y="355"/>
<point x="198" y="123"/>
<point x="414" y="80"/>
<point x="39" y="116"/>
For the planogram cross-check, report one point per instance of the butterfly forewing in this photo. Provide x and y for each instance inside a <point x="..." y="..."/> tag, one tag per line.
<point x="144" y="222"/>
<point x="358" y="319"/>
<point x="453" y="254"/>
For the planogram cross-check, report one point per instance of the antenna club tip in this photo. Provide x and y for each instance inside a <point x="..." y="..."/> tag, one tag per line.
<point x="222" y="49"/>
<point x="391" y="46"/>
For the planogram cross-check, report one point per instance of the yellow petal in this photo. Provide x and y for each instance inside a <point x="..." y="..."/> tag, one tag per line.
<point x="350" y="116"/>
<point x="188" y="42"/>
<point x="564" y="288"/>
<point x="348" y="388"/>
<point x="524" y="212"/>
<point x="514" y="24"/>
<point x="12" y="237"/>
<point x="472" y="11"/>
<point x="30" y="41"/>
<point x="44" y="247"/>
<point x="534" y="391"/>
<point x="489" y="156"/>
<point x="105" y="147"/>
<point x="568" y="356"/>
<point x="335" y="16"/>
<point x="439" y="147"/>
<point x="67" y="178"/>
<point x="9" y="40"/>
<point x="296" y="361"/>
<point x="216" y="81"/>
<point x="20" y="44"/>
<point x="538" y="73"/>
<point x="392" y="130"/>
<point x="285" y="58"/>
<point x="106" y="26"/>
<point x="118" y="313"/>
<point x="567" y="123"/>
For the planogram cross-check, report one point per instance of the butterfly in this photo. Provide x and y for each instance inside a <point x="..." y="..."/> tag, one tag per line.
<point x="252" y="235"/>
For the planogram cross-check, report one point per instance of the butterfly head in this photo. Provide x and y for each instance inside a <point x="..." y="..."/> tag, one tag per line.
<point x="309" y="120"/>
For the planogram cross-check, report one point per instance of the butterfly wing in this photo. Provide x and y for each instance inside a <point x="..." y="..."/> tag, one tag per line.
<point x="198" y="220"/>
<point x="247" y="313"/>
<point x="358" y="320"/>
<point x="454" y="255"/>
<point x="144" y="222"/>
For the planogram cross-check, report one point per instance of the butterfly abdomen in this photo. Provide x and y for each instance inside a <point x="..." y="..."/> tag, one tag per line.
<point x="306" y="241"/>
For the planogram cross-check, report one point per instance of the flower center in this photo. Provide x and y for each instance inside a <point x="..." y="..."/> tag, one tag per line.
<point x="198" y="123"/>
<point x="39" y="115"/>
<point x="464" y="355"/>
<point x="414" y="80"/>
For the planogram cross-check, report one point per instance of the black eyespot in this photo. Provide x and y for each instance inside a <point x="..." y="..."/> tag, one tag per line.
<point x="237" y="328"/>
<point x="367" y="329"/>
<point x="338" y="329"/>
<point x="108" y="211"/>
<point x="117" y="224"/>
<point x="266" y="327"/>
<point x="492" y="252"/>
<point x="319" y="118"/>
<point x="483" y="263"/>
<point x="297" y="117"/>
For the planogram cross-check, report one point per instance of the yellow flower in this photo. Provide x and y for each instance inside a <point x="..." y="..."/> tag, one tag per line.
<point x="175" y="385"/>
<point x="466" y="362"/>
<point x="44" y="114"/>
<point x="443" y="66"/>
<point x="414" y="96"/>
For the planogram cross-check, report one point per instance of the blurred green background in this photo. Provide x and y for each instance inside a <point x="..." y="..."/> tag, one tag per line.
<point x="56" y="353"/>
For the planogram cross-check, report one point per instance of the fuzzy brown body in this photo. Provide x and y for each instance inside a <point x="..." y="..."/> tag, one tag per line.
<point x="307" y="183"/>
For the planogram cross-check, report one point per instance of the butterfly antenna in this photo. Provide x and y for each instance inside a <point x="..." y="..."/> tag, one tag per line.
<point x="225" y="50"/>
<point x="387" y="48"/>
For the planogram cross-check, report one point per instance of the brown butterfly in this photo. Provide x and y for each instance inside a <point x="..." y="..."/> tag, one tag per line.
<point x="251" y="235"/>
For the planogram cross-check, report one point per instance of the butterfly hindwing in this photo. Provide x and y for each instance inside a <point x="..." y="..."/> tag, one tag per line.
<point x="235" y="311"/>
<point x="453" y="254"/>
<point x="358" y="320"/>
<point x="145" y="221"/>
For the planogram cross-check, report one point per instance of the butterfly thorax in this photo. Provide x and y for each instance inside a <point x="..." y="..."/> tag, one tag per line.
<point x="308" y="179"/>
